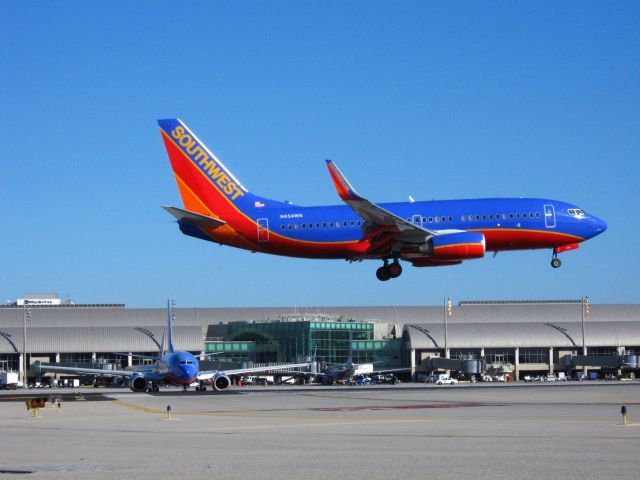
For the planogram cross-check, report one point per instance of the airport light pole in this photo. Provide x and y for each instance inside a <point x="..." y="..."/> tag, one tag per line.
<point x="448" y="311"/>
<point x="586" y="308"/>
<point x="26" y="316"/>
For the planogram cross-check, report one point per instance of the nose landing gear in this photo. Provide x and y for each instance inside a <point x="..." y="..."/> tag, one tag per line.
<point x="555" y="262"/>
<point x="389" y="270"/>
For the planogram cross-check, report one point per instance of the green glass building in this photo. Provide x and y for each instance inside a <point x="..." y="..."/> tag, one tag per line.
<point x="302" y="339"/>
<point x="231" y="352"/>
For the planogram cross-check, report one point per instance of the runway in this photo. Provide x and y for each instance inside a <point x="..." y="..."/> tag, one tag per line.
<point x="406" y="431"/>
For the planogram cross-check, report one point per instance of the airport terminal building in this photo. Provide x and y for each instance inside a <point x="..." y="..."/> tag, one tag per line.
<point x="513" y="338"/>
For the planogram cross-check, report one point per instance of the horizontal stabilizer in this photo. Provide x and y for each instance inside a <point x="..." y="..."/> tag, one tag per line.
<point x="185" y="216"/>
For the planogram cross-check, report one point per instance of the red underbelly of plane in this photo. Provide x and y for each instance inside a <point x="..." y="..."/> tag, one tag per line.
<point x="512" y="239"/>
<point x="496" y="239"/>
<point x="284" y="246"/>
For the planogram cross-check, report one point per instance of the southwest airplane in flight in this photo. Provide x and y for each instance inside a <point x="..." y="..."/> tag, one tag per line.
<point x="218" y="208"/>
<point x="173" y="367"/>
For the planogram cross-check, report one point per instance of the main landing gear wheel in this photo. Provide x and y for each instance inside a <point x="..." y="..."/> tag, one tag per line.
<point x="383" y="274"/>
<point x="389" y="270"/>
<point x="395" y="269"/>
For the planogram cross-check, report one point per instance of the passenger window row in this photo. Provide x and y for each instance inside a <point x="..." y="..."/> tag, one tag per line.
<point x="310" y="226"/>
<point x="441" y="219"/>
<point x="434" y="219"/>
<point x="499" y="216"/>
<point x="478" y="217"/>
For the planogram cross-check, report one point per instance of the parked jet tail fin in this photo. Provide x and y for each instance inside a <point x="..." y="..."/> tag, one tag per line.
<point x="350" y="359"/>
<point x="170" y="325"/>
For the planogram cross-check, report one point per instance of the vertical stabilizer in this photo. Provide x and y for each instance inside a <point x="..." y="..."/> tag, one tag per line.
<point x="162" y="349"/>
<point x="350" y="359"/>
<point x="206" y="185"/>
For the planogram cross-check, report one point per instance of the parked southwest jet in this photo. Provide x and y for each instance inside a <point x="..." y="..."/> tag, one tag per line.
<point x="173" y="367"/>
<point x="335" y="372"/>
<point x="218" y="208"/>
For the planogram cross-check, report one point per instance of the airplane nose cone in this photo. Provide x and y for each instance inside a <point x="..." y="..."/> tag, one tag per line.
<point x="187" y="372"/>
<point x="597" y="226"/>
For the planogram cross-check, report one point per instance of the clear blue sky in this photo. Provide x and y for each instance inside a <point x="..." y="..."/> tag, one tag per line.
<point x="431" y="99"/>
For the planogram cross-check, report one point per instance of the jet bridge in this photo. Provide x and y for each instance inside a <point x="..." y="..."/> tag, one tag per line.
<point x="469" y="366"/>
<point x="625" y="362"/>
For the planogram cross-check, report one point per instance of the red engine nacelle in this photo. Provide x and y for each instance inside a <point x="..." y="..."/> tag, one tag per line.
<point x="451" y="249"/>
<point x="220" y="382"/>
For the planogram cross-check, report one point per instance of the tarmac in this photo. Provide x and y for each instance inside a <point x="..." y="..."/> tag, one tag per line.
<point x="525" y="431"/>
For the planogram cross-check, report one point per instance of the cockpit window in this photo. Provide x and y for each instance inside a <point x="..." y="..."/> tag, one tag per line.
<point x="576" y="212"/>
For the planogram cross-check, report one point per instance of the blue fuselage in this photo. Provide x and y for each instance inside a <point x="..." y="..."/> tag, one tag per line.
<point x="507" y="223"/>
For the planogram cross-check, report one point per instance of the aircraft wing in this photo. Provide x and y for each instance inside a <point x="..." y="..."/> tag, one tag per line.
<point x="135" y="355"/>
<point x="387" y="370"/>
<point x="206" y="375"/>
<point x="44" y="367"/>
<point x="146" y="373"/>
<point x="211" y="354"/>
<point x="326" y="374"/>
<point x="377" y="219"/>
<point x="192" y="218"/>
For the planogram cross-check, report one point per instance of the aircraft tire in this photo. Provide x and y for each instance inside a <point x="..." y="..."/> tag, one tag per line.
<point x="395" y="269"/>
<point x="383" y="274"/>
<point x="555" y="263"/>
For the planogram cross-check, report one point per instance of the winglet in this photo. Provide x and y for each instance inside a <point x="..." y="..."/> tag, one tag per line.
<point x="344" y="188"/>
